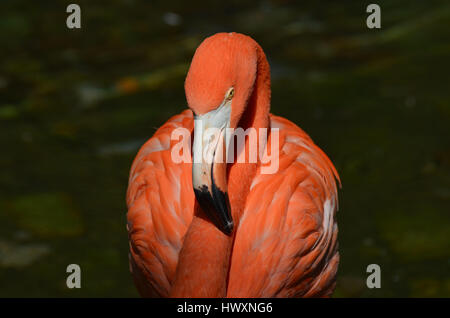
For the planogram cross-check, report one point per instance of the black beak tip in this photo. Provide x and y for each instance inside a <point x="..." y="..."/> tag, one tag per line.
<point x="228" y="227"/>
<point x="216" y="206"/>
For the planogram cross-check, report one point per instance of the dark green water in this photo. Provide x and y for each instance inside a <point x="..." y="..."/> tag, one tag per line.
<point x="75" y="105"/>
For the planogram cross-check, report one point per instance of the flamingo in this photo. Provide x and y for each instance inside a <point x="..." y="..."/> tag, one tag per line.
<point x="215" y="229"/>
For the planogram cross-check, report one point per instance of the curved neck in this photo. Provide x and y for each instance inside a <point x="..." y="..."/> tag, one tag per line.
<point x="256" y="114"/>
<point x="203" y="263"/>
<point x="205" y="257"/>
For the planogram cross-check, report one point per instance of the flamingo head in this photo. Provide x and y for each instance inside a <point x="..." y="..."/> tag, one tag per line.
<point x="218" y="86"/>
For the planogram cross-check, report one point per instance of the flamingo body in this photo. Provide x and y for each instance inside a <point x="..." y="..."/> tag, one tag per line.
<point x="283" y="245"/>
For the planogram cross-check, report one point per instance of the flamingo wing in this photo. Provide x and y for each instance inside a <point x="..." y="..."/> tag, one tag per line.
<point x="160" y="204"/>
<point x="286" y="241"/>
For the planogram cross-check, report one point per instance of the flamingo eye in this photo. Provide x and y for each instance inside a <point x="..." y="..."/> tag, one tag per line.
<point x="230" y="94"/>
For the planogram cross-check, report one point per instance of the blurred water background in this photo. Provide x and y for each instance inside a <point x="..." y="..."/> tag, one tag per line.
<point x="75" y="105"/>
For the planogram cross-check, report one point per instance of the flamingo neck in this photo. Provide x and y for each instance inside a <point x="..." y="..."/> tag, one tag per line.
<point x="205" y="257"/>
<point x="203" y="264"/>
<point x="256" y="115"/>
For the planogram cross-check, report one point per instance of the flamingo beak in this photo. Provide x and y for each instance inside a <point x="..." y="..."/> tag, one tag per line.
<point x="209" y="169"/>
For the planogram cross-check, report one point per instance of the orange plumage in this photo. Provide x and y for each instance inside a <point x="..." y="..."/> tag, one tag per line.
<point x="284" y="233"/>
